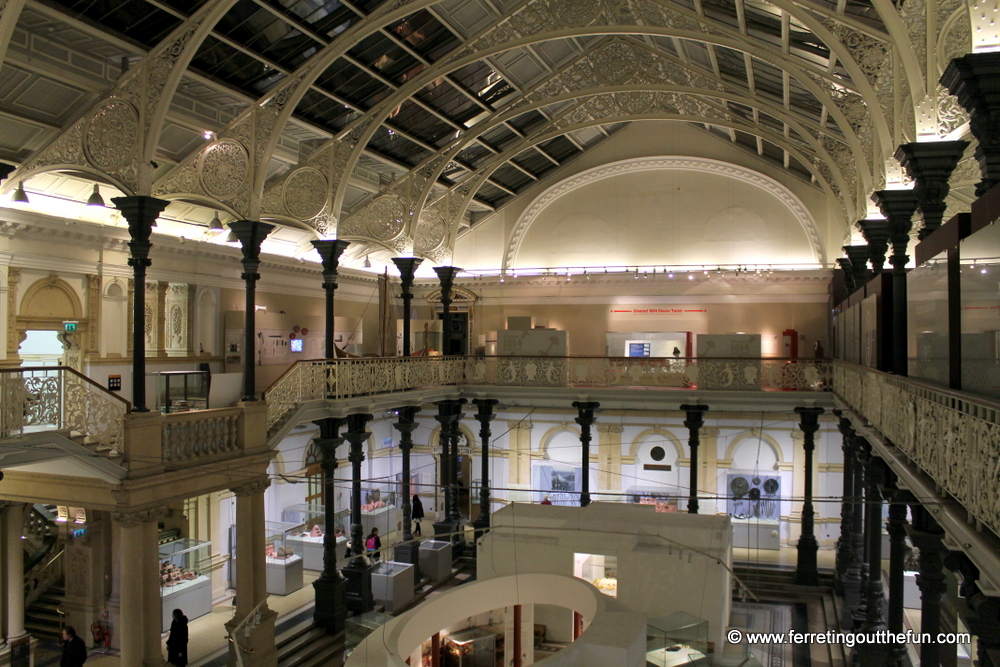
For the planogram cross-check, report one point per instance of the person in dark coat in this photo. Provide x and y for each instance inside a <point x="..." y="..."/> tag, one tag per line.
<point x="177" y="642"/>
<point x="74" y="652"/>
<point x="417" y="514"/>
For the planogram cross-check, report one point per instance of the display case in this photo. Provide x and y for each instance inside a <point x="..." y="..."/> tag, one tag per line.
<point x="307" y="537"/>
<point x="599" y="570"/>
<point x="392" y="584"/>
<point x="378" y="510"/>
<point x="980" y="332"/>
<point x="282" y="561"/>
<point x="357" y="628"/>
<point x="436" y="559"/>
<point x="182" y="391"/>
<point x="474" y="647"/>
<point x="185" y="578"/>
<point x="927" y="321"/>
<point x="662" y="501"/>
<point x="677" y="639"/>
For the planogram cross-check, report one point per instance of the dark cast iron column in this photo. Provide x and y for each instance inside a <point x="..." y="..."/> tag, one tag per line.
<point x="898" y="206"/>
<point x="331" y="609"/>
<point x="357" y="572"/>
<point x="454" y="513"/>
<point x="484" y="416"/>
<point x="140" y="212"/>
<point x="251" y="233"/>
<point x="329" y="253"/>
<point x="806" y="573"/>
<point x="876" y="233"/>
<point x="409" y="551"/>
<point x="407" y="269"/>
<point x="981" y="614"/>
<point x="585" y="418"/>
<point x="930" y="164"/>
<point x="846" y="503"/>
<point x="975" y="80"/>
<point x="446" y="275"/>
<point x="875" y="602"/>
<point x="447" y="414"/>
<point x="897" y="556"/>
<point x="859" y="542"/>
<point x="926" y="535"/>
<point x="858" y="256"/>
<point x="845" y="266"/>
<point x="695" y="420"/>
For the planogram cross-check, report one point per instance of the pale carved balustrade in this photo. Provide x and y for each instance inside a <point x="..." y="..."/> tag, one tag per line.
<point x="189" y="436"/>
<point x="37" y="399"/>
<point x="951" y="437"/>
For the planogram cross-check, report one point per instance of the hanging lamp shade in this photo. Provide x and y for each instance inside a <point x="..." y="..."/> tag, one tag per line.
<point x="95" y="198"/>
<point x="20" y="196"/>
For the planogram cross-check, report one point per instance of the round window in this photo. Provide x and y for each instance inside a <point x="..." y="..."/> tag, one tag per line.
<point x="657" y="453"/>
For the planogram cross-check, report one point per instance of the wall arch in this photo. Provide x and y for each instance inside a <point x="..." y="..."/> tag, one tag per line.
<point x="50" y="300"/>
<point x="550" y="435"/>
<point x="669" y="438"/>
<point x="765" y="441"/>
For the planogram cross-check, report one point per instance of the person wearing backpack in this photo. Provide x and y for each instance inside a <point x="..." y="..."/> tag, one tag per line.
<point x="373" y="544"/>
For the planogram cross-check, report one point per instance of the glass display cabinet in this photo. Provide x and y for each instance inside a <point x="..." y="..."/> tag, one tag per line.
<point x="663" y="502"/>
<point x="474" y="647"/>
<point x="435" y="559"/>
<point x="185" y="578"/>
<point x="677" y="639"/>
<point x="392" y="584"/>
<point x="378" y="510"/>
<point x="182" y="391"/>
<point x="599" y="570"/>
<point x="282" y="561"/>
<point x="357" y="628"/>
<point x="307" y="535"/>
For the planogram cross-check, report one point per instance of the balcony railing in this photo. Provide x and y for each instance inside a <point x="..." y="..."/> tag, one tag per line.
<point x="34" y="399"/>
<point x="345" y="378"/>
<point x="954" y="438"/>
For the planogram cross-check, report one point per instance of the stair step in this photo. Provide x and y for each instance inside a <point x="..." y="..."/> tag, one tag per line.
<point x="309" y="647"/>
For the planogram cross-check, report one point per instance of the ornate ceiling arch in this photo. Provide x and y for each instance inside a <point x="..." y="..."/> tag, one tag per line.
<point x="756" y="179"/>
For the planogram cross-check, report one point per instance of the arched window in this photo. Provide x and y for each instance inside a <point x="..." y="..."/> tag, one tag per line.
<point x="314" y="475"/>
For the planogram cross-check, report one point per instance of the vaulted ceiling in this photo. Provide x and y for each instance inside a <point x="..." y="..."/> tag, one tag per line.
<point x="401" y="123"/>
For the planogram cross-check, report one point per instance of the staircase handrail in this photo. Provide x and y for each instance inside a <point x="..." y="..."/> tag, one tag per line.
<point x="72" y="371"/>
<point x="245" y="627"/>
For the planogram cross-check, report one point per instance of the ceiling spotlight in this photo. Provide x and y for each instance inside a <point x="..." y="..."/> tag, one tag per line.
<point x="690" y="277"/>
<point x="368" y="262"/>
<point x="502" y="279"/>
<point x="96" y="199"/>
<point x="586" y="275"/>
<point x="216" y="224"/>
<point x="670" y="275"/>
<point x="569" y="276"/>
<point x="637" y="273"/>
<point x="20" y="196"/>
<point x="208" y="135"/>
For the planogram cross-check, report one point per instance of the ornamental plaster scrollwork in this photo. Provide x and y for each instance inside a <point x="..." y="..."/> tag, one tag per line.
<point x="112" y="134"/>
<point x="133" y="518"/>
<point x="305" y="193"/>
<point x="955" y="37"/>
<point x="251" y="488"/>
<point x="223" y="168"/>
<point x="795" y="206"/>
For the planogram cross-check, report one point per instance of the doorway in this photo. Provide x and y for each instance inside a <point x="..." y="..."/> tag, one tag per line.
<point x="41" y="348"/>
<point x="457" y="342"/>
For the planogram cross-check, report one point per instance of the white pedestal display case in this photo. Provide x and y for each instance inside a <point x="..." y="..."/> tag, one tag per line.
<point x="184" y="580"/>
<point x="757" y="534"/>
<point x="392" y="585"/>
<point x="282" y="563"/>
<point x="307" y="537"/>
<point x="435" y="560"/>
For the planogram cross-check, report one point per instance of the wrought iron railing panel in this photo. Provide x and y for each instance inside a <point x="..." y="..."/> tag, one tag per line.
<point x="954" y="439"/>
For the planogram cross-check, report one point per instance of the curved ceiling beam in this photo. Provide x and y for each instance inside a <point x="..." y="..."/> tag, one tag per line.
<point x="9" y="14"/>
<point x="118" y="135"/>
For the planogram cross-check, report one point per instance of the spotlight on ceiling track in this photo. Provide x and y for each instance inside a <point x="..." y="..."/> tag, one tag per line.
<point x="368" y="262"/>
<point x="95" y="198"/>
<point x="20" y="196"/>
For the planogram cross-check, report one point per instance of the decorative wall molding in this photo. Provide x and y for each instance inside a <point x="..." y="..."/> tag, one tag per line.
<point x="635" y="165"/>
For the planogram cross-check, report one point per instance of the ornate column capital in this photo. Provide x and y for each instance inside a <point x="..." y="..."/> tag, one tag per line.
<point x="132" y="518"/>
<point x="876" y="234"/>
<point x="857" y="257"/>
<point x="975" y="80"/>
<point x="898" y="207"/>
<point x="930" y="164"/>
<point x="585" y="412"/>
<point x="251" y="488"/>
<point x="330" y="251"/>
<point x="695" y="415"/>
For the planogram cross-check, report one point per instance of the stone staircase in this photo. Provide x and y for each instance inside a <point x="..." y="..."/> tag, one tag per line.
<point x="43" y="618"/>
<point x="310" y="647"/>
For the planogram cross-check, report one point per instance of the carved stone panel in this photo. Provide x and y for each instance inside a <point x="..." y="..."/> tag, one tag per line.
<point x="305" y="193"/>
<point x="223" y="168"/>
<point x="112" y="134"/>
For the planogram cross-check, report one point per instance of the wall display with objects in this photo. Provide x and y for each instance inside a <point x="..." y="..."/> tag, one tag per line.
<point x="307" y="536"/>
<point x="378" y="510"/>
<point x="753" y="496"/>
<point x="663" y="345"/>
<point x="185" y="581"/>
<point x="283" y="563"/>
<point x="560" y="483"/>
<point x="663" y="502"/>
<point x="599" y="570"/>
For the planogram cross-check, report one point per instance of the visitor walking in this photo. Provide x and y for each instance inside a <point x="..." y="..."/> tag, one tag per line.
<point x="373" y="544"/>
<point x="177" y="642"/>
<point x="417" y="514"/>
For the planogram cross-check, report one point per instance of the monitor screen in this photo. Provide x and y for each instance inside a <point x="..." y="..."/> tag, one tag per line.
<point x="295" y="345"/>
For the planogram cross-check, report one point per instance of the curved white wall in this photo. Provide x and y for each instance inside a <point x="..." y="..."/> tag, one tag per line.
<point x="666" y="215"/>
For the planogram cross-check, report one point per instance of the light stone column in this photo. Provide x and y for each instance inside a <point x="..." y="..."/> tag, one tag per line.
<point x="150" y="582"/>
<point x="130" y="627"/>
<point x="520" y="452"/>
<point x="609" y="457"/>
<point x="708" y="476"/>
<point x="114" y="603"/>
<point x="14" y="571"/>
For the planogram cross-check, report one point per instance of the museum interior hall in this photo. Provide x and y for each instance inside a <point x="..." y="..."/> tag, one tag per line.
<point x="487" y="333"/>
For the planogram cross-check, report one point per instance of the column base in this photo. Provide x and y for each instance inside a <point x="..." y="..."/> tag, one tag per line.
<point x="409" y="553"/>
<point x="870" y="655"/>
<point x="358" y="589"/>
<point x="851" y="592"/>
<point x="330" y="612"/>
<point x="806" y="572"/>
<point x="257" y="650"/>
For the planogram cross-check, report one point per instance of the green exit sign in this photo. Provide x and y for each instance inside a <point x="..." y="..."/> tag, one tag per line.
<point x="69" y="326"/>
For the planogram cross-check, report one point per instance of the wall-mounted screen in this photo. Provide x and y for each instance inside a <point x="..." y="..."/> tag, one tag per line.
<point x="295" y="345"/>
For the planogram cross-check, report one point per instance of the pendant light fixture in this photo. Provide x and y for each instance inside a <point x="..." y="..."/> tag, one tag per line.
<point x="20" y="196"/>
<point x="216" y="224"/>
<point x="368" y="262"/>
<point x="96" y="199"/>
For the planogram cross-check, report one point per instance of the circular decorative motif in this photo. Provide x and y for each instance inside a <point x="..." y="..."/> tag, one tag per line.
<point x="635" y="102"/>
<point x="223" y="168"/>
<point x="430" y="232"/>
<point x="305" y="194"/>
<point x="771" y="486"/>
<point x="573" y="13"/>
<point x="112" y="134"/>
<point x="657" y="453"/>
<point x="386" y="218"/>
<point x="616" y="64"/>
<point x="739" y="486"/>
